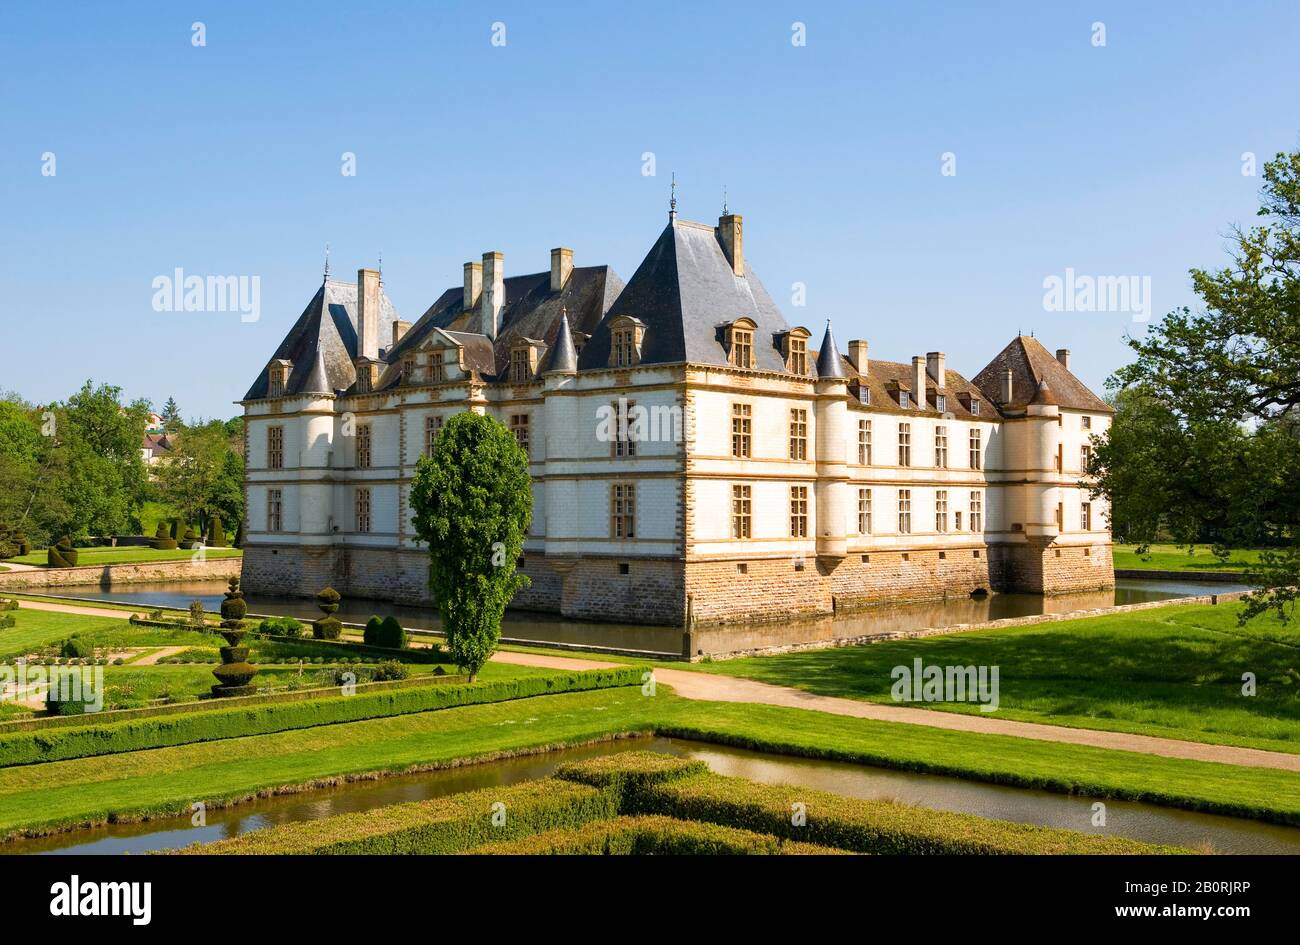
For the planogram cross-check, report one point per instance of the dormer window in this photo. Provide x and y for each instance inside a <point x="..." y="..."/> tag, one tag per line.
<point x="974" y="407"/>
<point x="520" y="369"/>
<point x="278" y="378"/>
<point x="625" y="336"/>
<point x="904" y="399"/>
<point x="940" y="403"/>
<point x="740" y="342"/>
<point x="794" y="349"/>
<point x="437" y="367"/>
<point x="408" y="369"/>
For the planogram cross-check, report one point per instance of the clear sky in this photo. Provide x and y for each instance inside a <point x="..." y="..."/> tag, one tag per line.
<point x="226" y="159"/>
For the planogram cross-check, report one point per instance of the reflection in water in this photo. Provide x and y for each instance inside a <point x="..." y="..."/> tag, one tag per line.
<point x="1123" y="818"/>
<point x="522" y="626"/>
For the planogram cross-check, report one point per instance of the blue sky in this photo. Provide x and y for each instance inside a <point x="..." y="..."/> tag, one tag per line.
<point x="225" y="159"/>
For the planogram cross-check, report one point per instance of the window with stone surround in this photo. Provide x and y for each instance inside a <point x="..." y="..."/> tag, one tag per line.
<point x="437" y="367"/>
<point x="622" y="510"/>
<point x="1085" y="457"/>
<point x="625" y="337"/>
<point x="408" y="369"/>
<point x="742" y="346"/>
<point x="941" y="447"/>
<point x="904" y="511"/>
<point x="1085" y="516"/>
<point x="1085" y="423"/>
<point x="976" y="459"/>
<point x="798" y="433"/>
<point x="742" y="430"/>
<point x="521" y="367"/>
<point x="741" y="511"/>
<point x="941" y="510"/>
<point x="275" y="447"/>
<point x="904" y="444"/>
<point x="363" y="446"/>
<point x="624" y="442"/>
<point x="864" y="511"/>
<point x="276" y="379"/>
<point x="274" y="510"/>
<point x="864" y="442"/>
<point x="519" y="427"/>
<point x="794" y="348"/>
<point x="798" y="511"/>
<point x="361" y="509"/>
<point x="976" y="511"/>
<point x="432" y="427"/>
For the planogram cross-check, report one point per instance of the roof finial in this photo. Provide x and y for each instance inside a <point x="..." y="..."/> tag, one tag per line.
<point x="724" y="200"/>
<point x="327" y="263"/>
<point x="381" y="267"/>
<point x="672" y="203"/>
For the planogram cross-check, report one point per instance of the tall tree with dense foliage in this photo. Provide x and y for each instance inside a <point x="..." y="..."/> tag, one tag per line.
<point x="171" y="416"/>
<point x="1236" y="360"/>
<point x="473" y="502"/>
<point x="202" y="475"/>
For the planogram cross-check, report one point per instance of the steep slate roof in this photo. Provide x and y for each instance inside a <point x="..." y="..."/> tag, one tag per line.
<point x="561" y="356"/>
<point x="322" y="344"/>
<point x="884" y="377"/>
<point x="1033" y="366"/>
<point x="531" y="310"/>
<point x="829" y="362"/>
<point x="685" y="290"/>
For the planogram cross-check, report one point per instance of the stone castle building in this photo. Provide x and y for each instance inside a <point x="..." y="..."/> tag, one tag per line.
<point x="695" y="460"/>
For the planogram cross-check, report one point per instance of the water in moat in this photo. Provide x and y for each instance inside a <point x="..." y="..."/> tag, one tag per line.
<point x="1205" y="832"/>
<point x="531" y="627"/>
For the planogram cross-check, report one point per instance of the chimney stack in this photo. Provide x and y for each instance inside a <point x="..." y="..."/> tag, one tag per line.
<point x="918" y="381"/>
<point x="473" y="286"/>
<point x="1007" y="386"/>
<point x="936" y="366"/>
<point x="1063" y="355"/>
<point x="731" y="237"/>
<point x="858" y="355"/>
<point x="494" y="294"/>
<point x="561" y="266"/>
<point x="368" y="313"/>
<point x="399" y="329"/>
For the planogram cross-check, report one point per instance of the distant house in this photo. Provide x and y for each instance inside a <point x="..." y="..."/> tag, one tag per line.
<point x="155" y="448"/>
<point x="155" y="424"/>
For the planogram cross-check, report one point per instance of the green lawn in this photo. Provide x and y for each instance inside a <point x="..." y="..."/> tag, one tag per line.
<point x="168" y="780"/>
<point x="100" y="556"/>
<point x="1173" y="672"/>
<point x="1178" y="558"/>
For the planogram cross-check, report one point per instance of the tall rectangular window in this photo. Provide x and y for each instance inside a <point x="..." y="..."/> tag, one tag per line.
<point x="976" y="511"/>
<point x="437" y="367"/>
<point x="624" y="347"/>
<point x="363" y="446"/>
<point x="275" y="382"/>
<point x="798" y="355"/>
<point x="1085" y="422"/>
<point x="798" y="511"/>
<point x="274" y="510"/>
<point x="624" y="436"/>
<point x="362" y="510"/>
<point x="976" y="460"/>
<point x="798" y="433"/>
<point x="941" y="447"/>
<point x="864" y="442"/>
<point x="904" y="511"/>
<point x="742" y="430"/>
<point x="519" y="427"/>
<point x="904" y="444"/>
<point x="864" y="511"/>
<point x="622" y="510"/>
<point x="520" y="368"/>
<point x="432" y="427"/>
<point x="741" y="511"/>
<point x="275" y="447"/>
<point x="742" y="348"/>
<point x="1085" y="516"/>
<point x="1085" y="457"/>
<point x="941" y="510"/>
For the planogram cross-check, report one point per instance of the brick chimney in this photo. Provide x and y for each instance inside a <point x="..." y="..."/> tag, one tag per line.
<point x="936" y="366"/>
<point x="561" y="266"/>
<point x="1063" y="355"/>
<point x="731" y="237"/>
<point x="368" y="313"/>
<point x="494" y="294"/>
<point x="473" y="286"/>
<point x="918" y="381"/>
<point x="858" y="355"/>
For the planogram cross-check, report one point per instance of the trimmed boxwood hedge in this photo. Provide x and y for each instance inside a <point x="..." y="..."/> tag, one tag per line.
<point x="649" y="836"/>
<point x="443" y="825"/>
<point x="42" y="745"/>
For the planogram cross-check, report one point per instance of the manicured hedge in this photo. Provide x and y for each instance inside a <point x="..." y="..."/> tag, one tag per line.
<point x="443" y="825"/>
<point x="650" y="836"/>
<point x="846" y="823"/>
<point x="200" y="726"/>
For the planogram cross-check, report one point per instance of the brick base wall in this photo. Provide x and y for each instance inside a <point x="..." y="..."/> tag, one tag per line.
<point x="108" y="575"/>
<point x="1058" y="569"/>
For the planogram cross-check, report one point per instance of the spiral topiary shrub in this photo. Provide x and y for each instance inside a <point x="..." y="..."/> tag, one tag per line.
<point x="62" y="554"/>
<point x="328" y="627"/>
<point x="162" y="540"/>
<point x="235" y="673"/>
<point x="189" y="540"/>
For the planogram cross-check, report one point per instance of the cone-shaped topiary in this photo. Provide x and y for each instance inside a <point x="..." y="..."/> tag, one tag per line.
<point x="216" y="534"/>
<point x="63" y="555"/>
<point x="178" y="528"/>
<point x="235" y="672"/>
<point x="328" y="627"/>
<point x="162" y="539"/>
<point x="189" y="540"/>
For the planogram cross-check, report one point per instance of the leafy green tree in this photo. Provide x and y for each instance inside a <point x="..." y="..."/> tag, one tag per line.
<point x="472" y="501"/>
<point x="1237" y="360"/>
<point x="192" y="477"/>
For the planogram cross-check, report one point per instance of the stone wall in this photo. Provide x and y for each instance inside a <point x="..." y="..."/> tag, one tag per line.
<point x="1057" y="568"/>
<point x="108" y="575"/>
